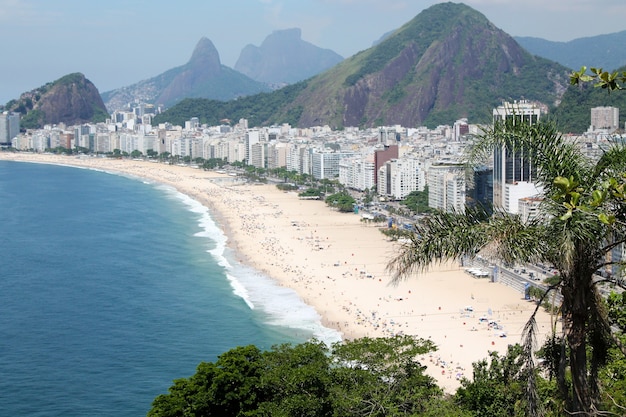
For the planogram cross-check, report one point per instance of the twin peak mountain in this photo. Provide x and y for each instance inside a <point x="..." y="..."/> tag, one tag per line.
<point x="283" y="58"/>
<point x="447" y="63"/>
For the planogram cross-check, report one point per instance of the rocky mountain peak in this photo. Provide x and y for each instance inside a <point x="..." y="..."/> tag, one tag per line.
<point x="284" y="58"/>
<point x="205" y="55"/>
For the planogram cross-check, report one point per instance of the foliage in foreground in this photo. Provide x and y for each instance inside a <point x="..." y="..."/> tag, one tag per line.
<point x="370" y="377"/>
<point x="365" y="377"/>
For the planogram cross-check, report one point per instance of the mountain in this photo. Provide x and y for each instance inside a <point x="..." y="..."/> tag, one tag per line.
<point x="71" y="99"/>
<point x="284" y="58"/>
<point x="603" y="51"/>
<point x="448" y="62"/>
<point x="202" y="76"/>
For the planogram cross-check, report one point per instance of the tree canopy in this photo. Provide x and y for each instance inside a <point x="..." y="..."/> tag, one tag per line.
<point x="364" y="377"/>
<point x="581" y="219"/>
<point x="342" y="201"/>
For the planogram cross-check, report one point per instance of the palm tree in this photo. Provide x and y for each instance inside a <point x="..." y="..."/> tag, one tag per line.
<point x="582" y="217"/>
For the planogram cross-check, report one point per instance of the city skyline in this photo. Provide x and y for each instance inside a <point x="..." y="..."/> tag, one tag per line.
<point x="117" y="43"/>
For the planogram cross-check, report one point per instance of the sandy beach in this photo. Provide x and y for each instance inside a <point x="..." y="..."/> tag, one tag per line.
<point x="336" y="263"/>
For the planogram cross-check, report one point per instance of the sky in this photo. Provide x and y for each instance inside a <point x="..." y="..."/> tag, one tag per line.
<point x="116" y="43"/>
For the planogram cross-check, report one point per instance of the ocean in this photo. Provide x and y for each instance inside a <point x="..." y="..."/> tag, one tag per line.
<point x="112" y="287"/>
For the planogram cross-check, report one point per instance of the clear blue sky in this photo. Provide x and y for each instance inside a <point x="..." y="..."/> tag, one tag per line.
<point x="119" y="42"/>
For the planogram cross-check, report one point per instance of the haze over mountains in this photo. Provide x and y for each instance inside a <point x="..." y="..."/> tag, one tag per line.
<point x="448" y="62"/>
<point x="202" y="76"/>
<point x="284" y="58"/>
<point x="603" y="51"/>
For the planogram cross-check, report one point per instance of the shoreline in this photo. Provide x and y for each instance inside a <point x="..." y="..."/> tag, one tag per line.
<point x="337" y="265"/>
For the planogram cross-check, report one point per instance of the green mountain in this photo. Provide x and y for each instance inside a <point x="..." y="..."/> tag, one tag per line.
<point x="602" y="51"/>
<point x="449" y="62"/>
<point x="202" y="76"/>
<point x="71" y="99"/>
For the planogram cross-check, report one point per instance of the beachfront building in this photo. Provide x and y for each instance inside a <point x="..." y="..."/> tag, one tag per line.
<point x="357" y="173"/>
<point x="513" y="172"/>
<point x="82" y="135"/>
<point x="252" y="136"/>
<point x="400" y="177"/>
<point x="9" y="127"/>
<point x="277" y="155"/>
<point x="325" y="163"/>
<point x="446" y="186"/>
<point x="257" y="155"/>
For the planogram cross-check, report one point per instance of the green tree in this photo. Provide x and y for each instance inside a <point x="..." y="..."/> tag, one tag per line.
<point x="578" y="225"/>
<point x="364" y="377"/>
<point x="417" y="201"/>
<point x="228" y="387"/>
<point x="497" y="386"/>
<point x="382" y="377"/>
<point x="311" y="192"/>
<point x="342" y="201"/>
<point x="296" y="381"/>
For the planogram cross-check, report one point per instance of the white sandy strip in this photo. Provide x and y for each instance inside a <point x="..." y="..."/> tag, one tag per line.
<point x="337" y="264"/>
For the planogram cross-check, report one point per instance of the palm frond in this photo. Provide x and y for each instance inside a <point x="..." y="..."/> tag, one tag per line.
<point x="529" y="346"/>
<point x="449" y="236"/>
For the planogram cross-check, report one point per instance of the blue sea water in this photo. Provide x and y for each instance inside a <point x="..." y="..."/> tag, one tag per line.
<point x="111" y="287"/>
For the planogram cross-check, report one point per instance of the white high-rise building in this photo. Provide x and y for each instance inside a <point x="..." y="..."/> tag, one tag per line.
<point x="9" y="127"/>
<point x="357" y="173"/>
<point x="398" y="178"/>
<point x="446" y="187"/>
<point x="277" y="155"/>
<point x="252" y="137"/>
<point x="325" y="164"/>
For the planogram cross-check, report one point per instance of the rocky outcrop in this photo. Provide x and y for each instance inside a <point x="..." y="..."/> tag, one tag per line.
<point x="448" y="63"/>
<point x="72" y="99"/>
<point x="203" y="76"/>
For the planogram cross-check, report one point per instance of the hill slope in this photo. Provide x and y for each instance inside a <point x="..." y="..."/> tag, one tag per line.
<point x="603" y="51"/>
<point x="449" y="62"/>
<point x="71" y="99"/>
<point x="202" y="76"/>
<point x="284" y="58"/>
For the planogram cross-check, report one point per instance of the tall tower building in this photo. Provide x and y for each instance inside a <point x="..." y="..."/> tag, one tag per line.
<point x="9" y="127"/>
<point x="513" y="173"/>
<point x="252" y="137"/>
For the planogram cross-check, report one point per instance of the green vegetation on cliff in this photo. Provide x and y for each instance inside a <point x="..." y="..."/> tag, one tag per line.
<point x="447" y="63"/>
<point x="72" y="99"/>
<point x="258" y="109"/>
